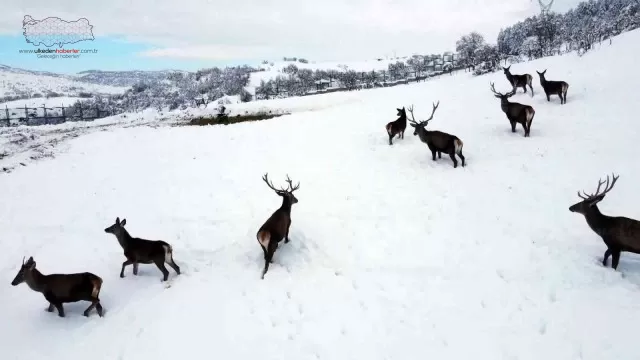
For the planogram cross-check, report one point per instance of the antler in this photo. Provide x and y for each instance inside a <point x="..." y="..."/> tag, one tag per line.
<point x="23" y="260"/>
<point x="607" y="188"/>
<point x="413" y="119"/>
<point x="493" y="89"/>
<point x="435" y="107"/>
<point x="291" y="187"/>
<point x="269" y="184"/>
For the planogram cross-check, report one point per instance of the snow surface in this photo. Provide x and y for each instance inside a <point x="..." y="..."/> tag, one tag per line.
<point x="392" y="255"/>
<point x="17" y="82"/>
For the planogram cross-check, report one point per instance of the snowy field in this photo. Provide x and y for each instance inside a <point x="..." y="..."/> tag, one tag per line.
<point x="16" y="81"/>
<point x="392" y="255"/>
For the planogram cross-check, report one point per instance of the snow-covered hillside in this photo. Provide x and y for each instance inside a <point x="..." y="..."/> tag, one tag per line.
<point x="23" y="83"/>
<point x="392" y="255"/>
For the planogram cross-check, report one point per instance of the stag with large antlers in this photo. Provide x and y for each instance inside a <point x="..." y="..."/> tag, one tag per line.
<point x="277" y="225"/>
<point x="437" y="141"/>
<point x="397" y="126"/>
<point x="618" y="233"/>
<point x="516" y="113"/>
<point x="519" y="80"/>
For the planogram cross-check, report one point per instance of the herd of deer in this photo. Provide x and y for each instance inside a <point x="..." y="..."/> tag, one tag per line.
<point x="66" y="288"/>
<point x="618" y="233"/>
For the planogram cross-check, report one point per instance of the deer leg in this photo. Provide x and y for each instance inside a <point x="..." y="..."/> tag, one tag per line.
<point x="606" y="257"/>
<point x="526" y="129"/>
<point x="513" y="126"/>
<point x="125" y="264"/>
<point x="433" y="155"/>
<point x="99" y="309"/>
<point x="60" y="309"/>
<point x="135" y="268"/>
<point x="174" y="266"/>
<point x="93" y="304"/>
<point x="267" y="260"/>
<point x="461" y="157"/>
<point x="439" y="154"/>
<point x="160" y="264"/>
<point x="616" y="258"/>
<point x="50" y="307"/>
<point x="548" y="97"/>
<point x="390" y="137"/>
<point x="453" y="157"/>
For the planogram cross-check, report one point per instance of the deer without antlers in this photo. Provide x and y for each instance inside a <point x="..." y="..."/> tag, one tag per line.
<point x="398" y="126"/>
<point x="516" y="113"/>
<point x="518" y="80"/>
<point x="618" y="233"/>
<point x="553" y="87"/>
<point x="437" y="141"/>
<point x="61" y="288"/>
<point x="142" y="251"/>
<point x="277" y="225"/>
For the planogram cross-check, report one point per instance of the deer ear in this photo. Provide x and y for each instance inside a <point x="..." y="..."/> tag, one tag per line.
<point x="123" y="222"/>
<point x="118" y="220"/>
<point x="413" y="125"/>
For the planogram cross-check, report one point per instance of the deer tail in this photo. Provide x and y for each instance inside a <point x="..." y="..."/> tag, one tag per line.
<point x="530" y="81"/>
<point x="457" y="143"/>
<point x="388" y="128"/>
<point x="96" y="281"/>
<point x="168" y="253"/>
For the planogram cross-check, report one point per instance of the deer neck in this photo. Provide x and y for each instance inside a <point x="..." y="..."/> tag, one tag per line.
<point x="504" y="104"/>
<point x="596" y="220"/>
<point x="123" y="238"/>
<point x="286" y="205"/>
<point x="402" y="118"/>
<point x="423" y="133"/>
<point x="35" y="280"/>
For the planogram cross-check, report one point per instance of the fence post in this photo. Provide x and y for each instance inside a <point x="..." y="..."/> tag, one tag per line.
<point x="44" y="111"/>
<point x="64" y="117"/>
<point x="6" y="109"/>
<point x="81" y="114"/>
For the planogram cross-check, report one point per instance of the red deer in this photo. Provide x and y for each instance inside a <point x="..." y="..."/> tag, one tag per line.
<point x="142" y="251"/>
<point x="618" y="233"/>
<point x="554" y="88"/>
<point x="437" y="141"/>
<point x="398" y="126"/>
<point x="519" y="80"/>
<point x="277" y="225"/>
<point x="61" y="288"/>
<point x="516" y="113"/>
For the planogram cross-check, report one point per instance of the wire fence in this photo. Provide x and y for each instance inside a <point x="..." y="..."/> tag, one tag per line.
<point x="44" y="115"/>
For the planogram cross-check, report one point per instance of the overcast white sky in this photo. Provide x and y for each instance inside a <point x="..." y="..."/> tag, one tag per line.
<point x="318" y="30"/>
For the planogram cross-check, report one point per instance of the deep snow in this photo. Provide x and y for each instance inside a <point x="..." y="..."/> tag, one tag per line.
<point x="392" y="255"/>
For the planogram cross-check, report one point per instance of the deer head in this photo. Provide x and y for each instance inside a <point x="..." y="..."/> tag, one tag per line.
<point x="541" y="74"/>
<point x="590" y="200"/>
<point x="287" y="194"/>
<point x="506" y="70"/>
<point x="117" y="228"/>
<point x="501" y="96"/>
<point x="24" y="269"/>
<point x="401" y="112"/>
<point x="422" y="124"/>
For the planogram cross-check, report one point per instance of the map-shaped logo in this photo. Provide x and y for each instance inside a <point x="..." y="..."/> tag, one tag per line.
<point x="55" y="31"/>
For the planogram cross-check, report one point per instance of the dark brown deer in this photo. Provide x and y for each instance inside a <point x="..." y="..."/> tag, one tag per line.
<point x="277" y="225"/>
<point x="142" y="251"/>
<point x="553" y="87"/>
<point x="437" y="141"/>
<point x="519" y="80"/>
<point x="61" y="288"/>
<point x="618" y="233"/>
<point x="398" y="126"/>
<point x="516" y="113"/>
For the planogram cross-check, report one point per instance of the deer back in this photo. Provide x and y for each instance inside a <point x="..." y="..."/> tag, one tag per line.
<point x="277" y="223"/>
<point x="70" y="287"/>
<point x="624" y="231"/>
<point x="438" y="139"/>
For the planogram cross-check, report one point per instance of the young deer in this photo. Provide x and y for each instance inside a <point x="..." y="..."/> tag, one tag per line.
<point x="437" y="141"/>
<point x="398" y="126"/>
<point x="277" y="225"/>
<point x="141" y="251"/>
<point x="618" y="233"/>
<point x="61" y="288"/>
<point x="519" y="80"/>
<point x="516" y="113"/>
<point x="554" y="88"/>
